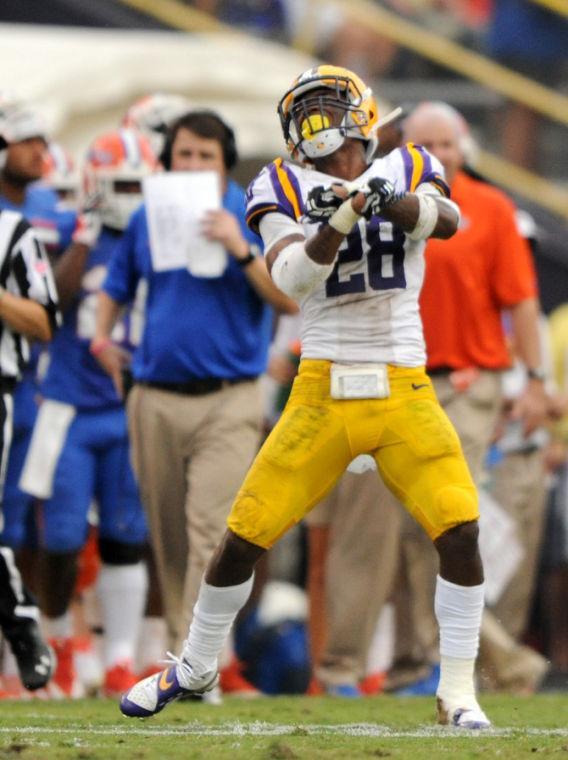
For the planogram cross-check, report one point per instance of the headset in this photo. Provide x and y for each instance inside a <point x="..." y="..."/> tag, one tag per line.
<point x="228" y="141"/>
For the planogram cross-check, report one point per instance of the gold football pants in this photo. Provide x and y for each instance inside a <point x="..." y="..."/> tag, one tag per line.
<point x="414" y="444"/>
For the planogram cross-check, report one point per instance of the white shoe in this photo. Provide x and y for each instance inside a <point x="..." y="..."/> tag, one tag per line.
<point x="471" y="717"/>
<point x="152" y="694"/>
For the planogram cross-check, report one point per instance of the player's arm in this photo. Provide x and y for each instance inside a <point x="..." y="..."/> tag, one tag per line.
<point x="69" y="268"/>
<point x="422" y="214"/>
<point x="68" y="271"/>
<point x="416" y="212"/>
<point x="298" y="265"/>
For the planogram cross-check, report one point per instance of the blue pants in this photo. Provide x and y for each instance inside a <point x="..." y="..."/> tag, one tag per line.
<point x="94" y="465"/>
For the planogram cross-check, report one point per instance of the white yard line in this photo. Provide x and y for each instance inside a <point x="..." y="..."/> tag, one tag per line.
<point x="269" y="729"/>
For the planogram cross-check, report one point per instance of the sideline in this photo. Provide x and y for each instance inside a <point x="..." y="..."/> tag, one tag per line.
<point x="259" y="728"/>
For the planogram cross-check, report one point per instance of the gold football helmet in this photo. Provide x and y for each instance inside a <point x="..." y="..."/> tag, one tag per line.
<point x="325" y="105"/>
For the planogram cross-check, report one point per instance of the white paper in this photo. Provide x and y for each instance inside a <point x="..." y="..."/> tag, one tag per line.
<point x="175" y="204"/>
<point x="499" y="545"/>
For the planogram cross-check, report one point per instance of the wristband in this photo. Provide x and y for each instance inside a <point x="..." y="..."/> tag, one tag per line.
<point x="98" y="345"/>
<point x="248" y="259"/>
<point x="344" y="218"/>
<point x="537" y="373"/>
<point x="427" y="217"/>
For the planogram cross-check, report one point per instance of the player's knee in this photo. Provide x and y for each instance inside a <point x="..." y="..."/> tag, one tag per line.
<point x="234" y="558"/>
<point x="238" y="550"/>
<point x="119" y="553"/>
<point x="460" y="541"/>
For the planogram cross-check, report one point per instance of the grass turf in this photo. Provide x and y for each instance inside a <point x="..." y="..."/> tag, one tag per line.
<point x="282" y="728"/>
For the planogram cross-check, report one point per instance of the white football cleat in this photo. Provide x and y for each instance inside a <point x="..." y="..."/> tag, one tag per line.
<point x="472" y="717"/>
<point x="152" y="694"/>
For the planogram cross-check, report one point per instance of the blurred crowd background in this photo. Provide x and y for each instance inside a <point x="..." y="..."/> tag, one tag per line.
<point x="504" y="65"/>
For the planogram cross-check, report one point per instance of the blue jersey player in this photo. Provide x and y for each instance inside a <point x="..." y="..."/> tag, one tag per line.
<point x="53" y="224"/>
<point x="79" y="453"/>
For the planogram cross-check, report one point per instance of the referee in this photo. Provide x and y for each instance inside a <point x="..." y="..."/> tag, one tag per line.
<point x="28" y="310"/>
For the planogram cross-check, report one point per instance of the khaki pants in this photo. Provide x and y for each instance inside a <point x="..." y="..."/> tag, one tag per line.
<point x="519" y="487"/>
<point x="190" y="455"/>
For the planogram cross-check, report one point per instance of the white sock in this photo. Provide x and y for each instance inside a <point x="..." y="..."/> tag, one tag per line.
<point x="458" y="611"/>
<point x="152" y="641"/>
<point x="213" y="616"/>
<point x="58" y="627"/>
<point x="122" y="592"/>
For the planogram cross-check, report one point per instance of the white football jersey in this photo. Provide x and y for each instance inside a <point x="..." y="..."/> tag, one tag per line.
<point x="367" y="309"/>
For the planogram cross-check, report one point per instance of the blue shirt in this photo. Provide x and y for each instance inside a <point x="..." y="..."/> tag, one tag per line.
<point x="74" y="376"/>
<point x="195" y="327"/>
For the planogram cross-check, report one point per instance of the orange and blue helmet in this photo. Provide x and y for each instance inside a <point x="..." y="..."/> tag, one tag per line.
<point x="60" y="172"/>
<point x="115" y="165"/>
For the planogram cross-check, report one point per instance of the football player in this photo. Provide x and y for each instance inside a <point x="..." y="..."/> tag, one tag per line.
<point x="345" y="236"/>
<point x="80" y="452"/>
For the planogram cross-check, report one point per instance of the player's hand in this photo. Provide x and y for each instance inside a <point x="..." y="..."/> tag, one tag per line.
<point x="379" y="194"/>
<point x="88" y="226"/>
<point x="323" y="202"/>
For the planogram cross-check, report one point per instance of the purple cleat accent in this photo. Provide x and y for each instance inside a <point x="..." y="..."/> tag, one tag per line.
<point x="149" y="696"/>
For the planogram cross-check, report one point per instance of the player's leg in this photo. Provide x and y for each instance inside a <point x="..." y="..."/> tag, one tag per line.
<point x="63" y="533"/>
<point x="297" y="465"/>
<point x="122" y="581"/>
<point x="421" y="461"/>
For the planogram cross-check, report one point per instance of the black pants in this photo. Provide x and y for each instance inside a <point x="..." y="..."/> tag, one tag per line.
<point x="17" y="606"/>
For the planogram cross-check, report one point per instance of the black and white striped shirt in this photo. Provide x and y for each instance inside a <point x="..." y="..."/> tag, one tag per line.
<point x="25" y="272"/>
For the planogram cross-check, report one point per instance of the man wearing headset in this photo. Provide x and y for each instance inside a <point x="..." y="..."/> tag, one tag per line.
<point x="195" y="409"/>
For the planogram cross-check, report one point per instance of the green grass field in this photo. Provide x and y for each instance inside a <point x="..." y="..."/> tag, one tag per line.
<point x="282" y="728"/>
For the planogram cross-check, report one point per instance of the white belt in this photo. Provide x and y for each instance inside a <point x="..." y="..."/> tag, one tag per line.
<point x="351" y="381"/>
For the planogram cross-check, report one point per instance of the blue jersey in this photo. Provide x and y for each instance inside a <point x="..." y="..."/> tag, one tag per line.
<point x="195" y="327"/>
<point x="74" y="376"/>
